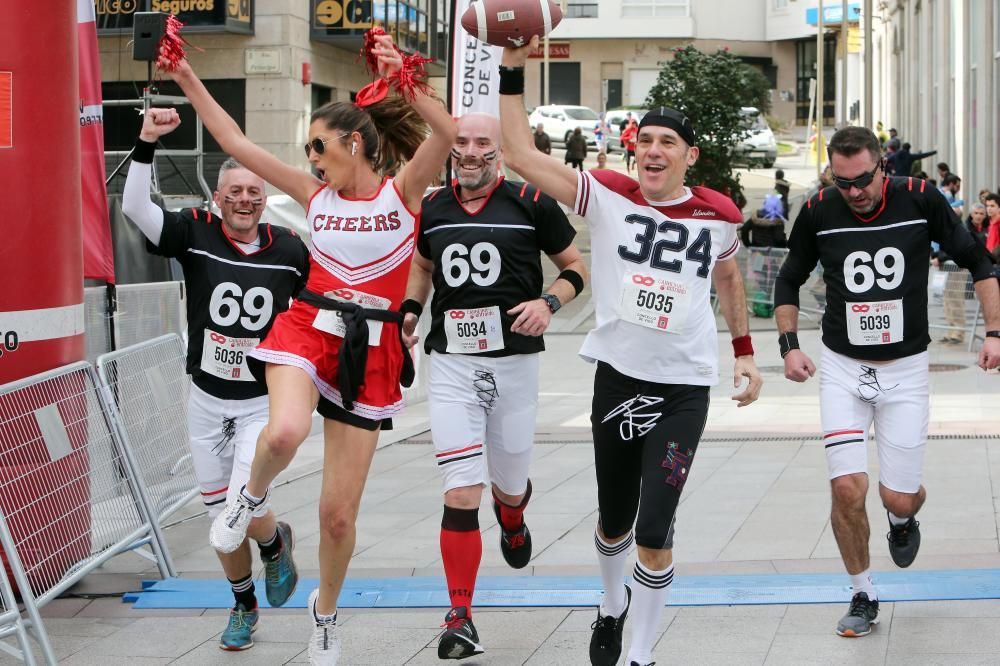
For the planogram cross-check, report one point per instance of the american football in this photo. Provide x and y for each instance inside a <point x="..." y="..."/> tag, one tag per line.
<point x="510" y="22"/>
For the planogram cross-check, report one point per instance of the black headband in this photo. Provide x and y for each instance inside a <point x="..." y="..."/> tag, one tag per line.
<point x="672" y="118"/>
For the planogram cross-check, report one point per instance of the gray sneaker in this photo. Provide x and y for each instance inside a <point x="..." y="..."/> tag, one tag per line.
<point x="860" y="618"/>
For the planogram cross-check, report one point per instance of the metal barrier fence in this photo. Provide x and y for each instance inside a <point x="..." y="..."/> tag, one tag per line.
<point x="135" y="313"/>
<point x="11" y="623"/>
<point x="148" y="387"/>
<point x="952" y="303"/>
<point x="69" y="490"/>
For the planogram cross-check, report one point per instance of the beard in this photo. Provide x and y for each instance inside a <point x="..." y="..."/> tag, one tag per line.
<point x="479" y="179"/>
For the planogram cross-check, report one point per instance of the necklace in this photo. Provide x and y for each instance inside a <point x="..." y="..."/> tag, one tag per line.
<point x="465" y="201"/>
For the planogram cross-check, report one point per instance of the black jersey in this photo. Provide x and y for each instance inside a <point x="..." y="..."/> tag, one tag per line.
<point x="232" y="297"/>
<point x="875" y="267"/>
<point x="487" y="262"/>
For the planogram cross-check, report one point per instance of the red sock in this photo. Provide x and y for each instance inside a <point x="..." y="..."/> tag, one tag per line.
<point x="512" y="517"/>
<point x="461" y="552"/>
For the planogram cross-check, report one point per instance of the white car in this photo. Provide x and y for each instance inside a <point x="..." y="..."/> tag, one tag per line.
<point x="559" y="121"/>
<point x="758" y="145"/>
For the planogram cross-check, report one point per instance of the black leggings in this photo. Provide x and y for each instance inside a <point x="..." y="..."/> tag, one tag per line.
<point x="645" y="438"/>
<point x="575" y="164"/>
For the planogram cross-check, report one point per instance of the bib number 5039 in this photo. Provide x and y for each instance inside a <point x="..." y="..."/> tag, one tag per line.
<point x="229" y="303"/>
<point x="860" y="270"/>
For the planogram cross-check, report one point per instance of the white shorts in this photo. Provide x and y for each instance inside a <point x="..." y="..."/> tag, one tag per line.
<point x="223" y="438"/>
<point x="482" y="405"/>
<point x="895" y="396"/>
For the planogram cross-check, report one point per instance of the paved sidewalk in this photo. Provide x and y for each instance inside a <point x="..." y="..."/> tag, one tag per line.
<point x="756" y="502"/>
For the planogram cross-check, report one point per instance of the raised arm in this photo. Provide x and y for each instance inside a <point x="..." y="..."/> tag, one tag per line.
<point x="294" y="182"/>
<point x="136" y="204"/>
<point x="545" y="172"/>
<point x="419" y="173"/>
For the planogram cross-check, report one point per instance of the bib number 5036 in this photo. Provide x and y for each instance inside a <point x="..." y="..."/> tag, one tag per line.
<point x="860" y="270"/>
<point x="229" y="303"/>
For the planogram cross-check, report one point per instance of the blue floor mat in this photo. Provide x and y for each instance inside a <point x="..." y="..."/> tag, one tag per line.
<point x="521" y="591"/>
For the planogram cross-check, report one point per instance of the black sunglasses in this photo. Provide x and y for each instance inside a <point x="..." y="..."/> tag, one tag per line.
<point x="861" y="182"/>
<point x="319" y="145"/>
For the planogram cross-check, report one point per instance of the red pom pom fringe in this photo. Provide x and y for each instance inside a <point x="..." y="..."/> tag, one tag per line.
<point x="172" y="46"/>
<point x="407" y="81"/>
<point x="372" y="93"/>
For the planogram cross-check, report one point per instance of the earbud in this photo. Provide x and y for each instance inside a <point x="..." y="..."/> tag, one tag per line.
<point x="354" y="148"/>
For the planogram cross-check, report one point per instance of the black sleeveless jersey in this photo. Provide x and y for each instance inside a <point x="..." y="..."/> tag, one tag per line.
<point x="876" y="267"/>
<point x="489" y="259"/>
<point x="232" y="297"/>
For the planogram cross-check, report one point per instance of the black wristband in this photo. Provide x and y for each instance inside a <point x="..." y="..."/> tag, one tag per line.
<point x="574" y="279"/>
<point x="411" y="306"/>
<point x="143" y="151"/>
<point x="993" y="334"/>
<point x="787" y="342"/>
<point x="511" y="80"/>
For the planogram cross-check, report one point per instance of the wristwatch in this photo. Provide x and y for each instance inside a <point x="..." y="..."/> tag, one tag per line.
<point x="552" y="301"/>
<point x="989" y="334"/>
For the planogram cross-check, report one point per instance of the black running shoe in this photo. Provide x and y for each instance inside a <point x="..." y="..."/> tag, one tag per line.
<point x="460" y="638"/>
<point x="516" y="545"/>
<point x="606" y="641"/>
<point x="904" y="542"/>
<point x="860" y="618"/>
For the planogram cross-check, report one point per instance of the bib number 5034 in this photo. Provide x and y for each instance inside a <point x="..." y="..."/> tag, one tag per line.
<point x="860" y="270"/>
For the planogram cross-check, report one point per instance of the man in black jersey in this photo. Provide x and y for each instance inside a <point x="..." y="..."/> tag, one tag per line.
<point x="872" y="235"/>
<point x="479" y="245"/>
<point x="239" y="275"/>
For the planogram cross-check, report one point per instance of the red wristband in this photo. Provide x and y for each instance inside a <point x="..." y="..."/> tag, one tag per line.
<point x="742" y="346"/>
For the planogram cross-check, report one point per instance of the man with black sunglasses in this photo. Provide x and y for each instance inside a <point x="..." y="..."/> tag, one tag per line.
<point x="872" y="234"/>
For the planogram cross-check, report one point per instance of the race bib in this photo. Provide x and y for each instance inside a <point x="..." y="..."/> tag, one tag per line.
<point x="225" y="357"/>
<point x="875" y="322"/>
<point x="332" y="321"/>
<point x="654" y="302"/>
<point x="474" y="330"/>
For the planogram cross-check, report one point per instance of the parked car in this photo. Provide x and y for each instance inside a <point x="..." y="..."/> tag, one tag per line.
<point x="758" y="145"/>
<point x="614" y="118"/>
<point x="559" y="121"/>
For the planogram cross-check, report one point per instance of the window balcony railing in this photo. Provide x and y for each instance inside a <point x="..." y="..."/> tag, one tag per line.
<point x="581" y="10"/>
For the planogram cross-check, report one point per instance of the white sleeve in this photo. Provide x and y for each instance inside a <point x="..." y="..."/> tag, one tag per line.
<point x="137" y="205"/>
<point x="730" y="241"/>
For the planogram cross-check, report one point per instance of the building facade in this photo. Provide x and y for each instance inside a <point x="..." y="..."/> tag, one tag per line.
<point x="937" y="80"/>
<point x="608" y="53"/>
<point x="270" y="63"/>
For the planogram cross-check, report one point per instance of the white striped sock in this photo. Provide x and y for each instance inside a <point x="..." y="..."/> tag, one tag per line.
<point x="649" y="596"/>
<point x="613" y="558"/>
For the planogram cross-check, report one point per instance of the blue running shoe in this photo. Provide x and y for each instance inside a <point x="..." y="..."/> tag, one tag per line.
<point x="239" y="634"/>
<point x="280" y="574"/>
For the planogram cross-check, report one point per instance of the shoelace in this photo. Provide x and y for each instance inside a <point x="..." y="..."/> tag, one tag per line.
<point x="859" y="608"/>
<point x="272" y="568"/>
<point x="322" y="635"/>
<point x="900" y="534"/>
<point x="238" y="619"/>
<point x="604" y="623"/>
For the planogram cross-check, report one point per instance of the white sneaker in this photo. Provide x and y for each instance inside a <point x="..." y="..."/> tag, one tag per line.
<point x="229" y="529"/>
<point x="324" y="646"/>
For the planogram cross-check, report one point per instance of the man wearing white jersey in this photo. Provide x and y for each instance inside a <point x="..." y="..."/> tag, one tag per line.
<point x="654" y="245"/>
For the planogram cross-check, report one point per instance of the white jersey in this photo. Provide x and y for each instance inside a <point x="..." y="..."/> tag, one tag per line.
<point x="652" y="269"/>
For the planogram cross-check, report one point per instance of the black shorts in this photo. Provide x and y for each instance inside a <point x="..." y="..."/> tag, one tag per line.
<point x="334" y="412"/>
<point x="645" y="438"/>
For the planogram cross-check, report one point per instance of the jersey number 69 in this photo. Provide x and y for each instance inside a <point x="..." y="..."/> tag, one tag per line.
<point x="225" y="309"/>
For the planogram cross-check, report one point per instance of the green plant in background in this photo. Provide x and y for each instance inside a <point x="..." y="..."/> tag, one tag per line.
<point x="710" y="88"/>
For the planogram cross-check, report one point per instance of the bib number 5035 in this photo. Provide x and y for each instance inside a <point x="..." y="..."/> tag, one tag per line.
<point x="229" y="303"/>
<point x="860" y="270"/>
